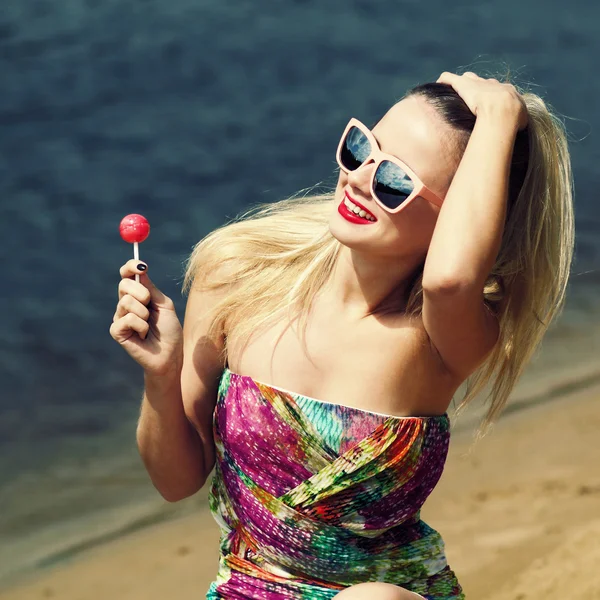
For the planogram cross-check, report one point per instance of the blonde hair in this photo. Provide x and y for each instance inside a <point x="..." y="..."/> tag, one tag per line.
<point x="279" y="255"/>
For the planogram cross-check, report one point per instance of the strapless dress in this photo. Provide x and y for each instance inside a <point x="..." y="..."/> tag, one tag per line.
<point x="312" y="497"/>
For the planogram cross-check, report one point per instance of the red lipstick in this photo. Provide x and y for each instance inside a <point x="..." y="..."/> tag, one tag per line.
<point x="351" y="216"/>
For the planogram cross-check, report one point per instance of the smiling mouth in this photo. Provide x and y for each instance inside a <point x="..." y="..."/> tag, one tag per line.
<point x="357" y="209"/>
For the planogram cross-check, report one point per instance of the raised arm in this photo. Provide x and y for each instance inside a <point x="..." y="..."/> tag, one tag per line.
<point x="468" y="232"/>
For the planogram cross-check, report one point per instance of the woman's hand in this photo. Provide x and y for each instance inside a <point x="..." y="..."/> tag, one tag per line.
<point x="145" y="323"/>
<point x="488" y="97"/>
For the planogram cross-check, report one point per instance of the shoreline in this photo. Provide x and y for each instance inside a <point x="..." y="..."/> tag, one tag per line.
<point x="524" y="499"/>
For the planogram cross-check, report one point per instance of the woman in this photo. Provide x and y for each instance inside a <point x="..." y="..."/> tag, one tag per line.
<point x="443" y="255"/>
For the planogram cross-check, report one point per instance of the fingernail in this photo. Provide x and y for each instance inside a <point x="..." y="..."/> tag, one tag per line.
<point x="142" y="267"/>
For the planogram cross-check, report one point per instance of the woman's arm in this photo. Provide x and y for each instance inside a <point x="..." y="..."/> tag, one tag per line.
<point x="175" y="434"/>
<point x="468" y="232"/>
<point x="170" y="448"/>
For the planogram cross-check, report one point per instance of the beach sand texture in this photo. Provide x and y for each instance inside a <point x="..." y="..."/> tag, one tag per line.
<point x="520" y="516"/>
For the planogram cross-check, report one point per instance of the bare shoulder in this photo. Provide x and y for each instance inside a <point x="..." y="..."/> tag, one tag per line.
<point x="204" y="297"/>
<point x="203" y="357"/>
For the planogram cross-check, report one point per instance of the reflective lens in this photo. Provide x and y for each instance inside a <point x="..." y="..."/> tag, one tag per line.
<point x="392" y="185"/>
<point x="355" y="149"/>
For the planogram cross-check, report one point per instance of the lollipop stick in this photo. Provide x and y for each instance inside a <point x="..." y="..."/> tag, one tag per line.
<point x="136" y="255"/>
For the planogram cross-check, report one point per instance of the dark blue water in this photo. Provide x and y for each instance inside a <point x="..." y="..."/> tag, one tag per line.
<point x="189" y="112"/>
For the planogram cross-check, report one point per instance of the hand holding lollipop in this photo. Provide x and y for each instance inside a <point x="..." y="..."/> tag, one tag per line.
<point x="145" y="322"/>
<point x="134" y="229"/>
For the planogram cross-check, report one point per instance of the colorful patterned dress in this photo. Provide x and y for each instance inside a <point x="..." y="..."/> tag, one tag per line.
<point x="312" y="497"/>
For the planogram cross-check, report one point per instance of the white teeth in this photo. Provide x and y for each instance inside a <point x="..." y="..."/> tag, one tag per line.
<point x="357" y="210"/>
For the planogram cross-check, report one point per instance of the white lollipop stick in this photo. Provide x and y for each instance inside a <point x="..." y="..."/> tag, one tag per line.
<point x="136" y="256"/>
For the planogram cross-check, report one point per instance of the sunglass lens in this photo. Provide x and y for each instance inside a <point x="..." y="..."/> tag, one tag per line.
<point x="392" y="185"/>
<point x="355" y="149"/>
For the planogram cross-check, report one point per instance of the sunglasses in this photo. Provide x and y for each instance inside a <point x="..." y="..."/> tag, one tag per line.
<point x="393" y="184"/>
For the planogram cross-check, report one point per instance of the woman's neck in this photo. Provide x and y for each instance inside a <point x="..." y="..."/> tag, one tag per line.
<point x="359" y="285"/>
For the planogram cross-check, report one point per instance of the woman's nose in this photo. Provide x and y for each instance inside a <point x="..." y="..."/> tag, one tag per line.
<point x="361" y="178"/>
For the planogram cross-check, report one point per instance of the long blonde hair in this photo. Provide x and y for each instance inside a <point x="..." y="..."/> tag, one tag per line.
<point x="280" y="254"/>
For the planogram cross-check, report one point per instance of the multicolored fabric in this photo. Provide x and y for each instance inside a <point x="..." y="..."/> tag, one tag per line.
<point x="312" y="497"/>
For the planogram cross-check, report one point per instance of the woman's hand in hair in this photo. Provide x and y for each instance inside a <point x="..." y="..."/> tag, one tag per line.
<point x="488" y="97"/>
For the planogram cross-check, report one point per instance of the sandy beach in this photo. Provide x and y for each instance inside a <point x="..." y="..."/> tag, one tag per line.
<point x="520" y="516"/>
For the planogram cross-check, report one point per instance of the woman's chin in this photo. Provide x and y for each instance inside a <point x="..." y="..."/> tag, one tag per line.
<point x="349" y="234"/>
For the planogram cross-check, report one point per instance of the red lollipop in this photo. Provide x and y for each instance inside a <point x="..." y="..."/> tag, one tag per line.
<point x="134" y="229"/>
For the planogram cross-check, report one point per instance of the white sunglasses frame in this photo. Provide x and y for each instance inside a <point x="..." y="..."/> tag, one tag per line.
<point x="376" y="154"/>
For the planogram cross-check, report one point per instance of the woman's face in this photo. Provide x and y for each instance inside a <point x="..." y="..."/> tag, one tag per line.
<point x="413" y="132"/>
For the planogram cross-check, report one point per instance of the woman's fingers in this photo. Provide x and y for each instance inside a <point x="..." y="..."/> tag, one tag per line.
<point x="122" y="329"/>
<point x="484" y="95"/>
<point x="128" y="304"/>
<point x="135" y="289"/>
<point x="447" y="77"/>
<point x="128" y="272"/>
<point x="450" y="78"/>
<point x="130" y="268"/>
